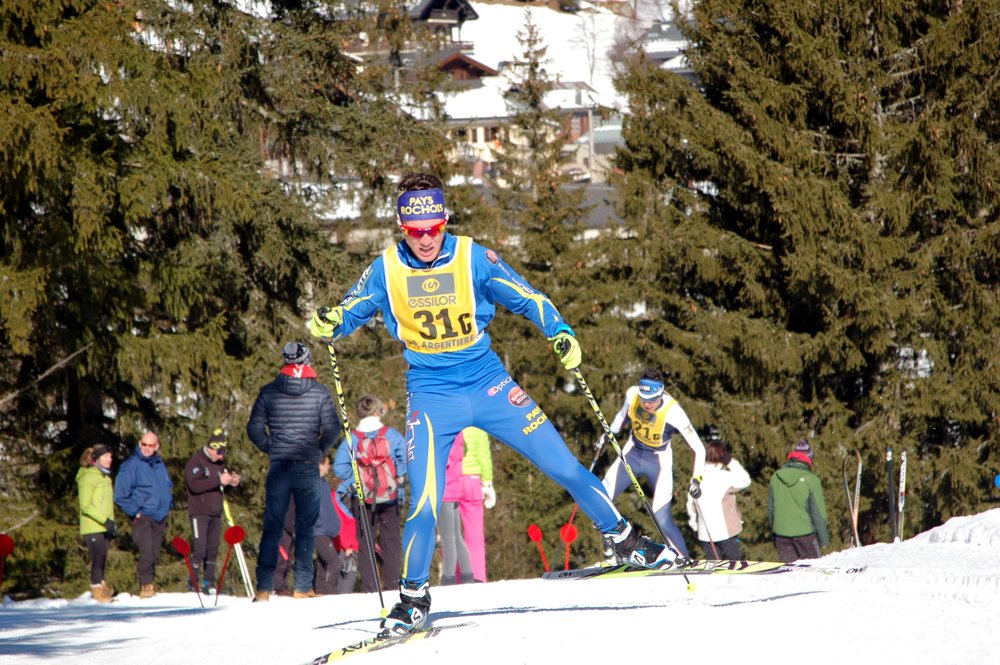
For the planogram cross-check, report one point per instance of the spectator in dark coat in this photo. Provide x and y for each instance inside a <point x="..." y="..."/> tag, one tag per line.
<point x="286" y="550"/>
<point x="294" y="422"/>
<point x="796" y="508"/>
<point x="205" y="475"/>
<point x="144" y="492"/>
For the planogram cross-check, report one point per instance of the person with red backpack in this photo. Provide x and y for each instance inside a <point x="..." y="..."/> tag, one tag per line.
<point x="380" y="452"/>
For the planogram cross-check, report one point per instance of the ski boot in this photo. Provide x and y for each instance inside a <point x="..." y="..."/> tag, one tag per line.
<point x="631" y="549"/>
<point x="410" y="613"/>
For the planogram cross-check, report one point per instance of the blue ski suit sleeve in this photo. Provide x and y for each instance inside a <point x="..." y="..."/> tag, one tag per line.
<point x="498" y="282"/>
<point x="364" y="300"/>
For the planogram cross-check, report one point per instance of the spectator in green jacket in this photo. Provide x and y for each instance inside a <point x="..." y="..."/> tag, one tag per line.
<point x="796" y="509"/>
<point x="97" y="514"/>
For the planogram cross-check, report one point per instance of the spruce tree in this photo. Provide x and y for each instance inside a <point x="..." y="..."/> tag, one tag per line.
<point x="816" y="222"/>
<point x="157" y="248"/>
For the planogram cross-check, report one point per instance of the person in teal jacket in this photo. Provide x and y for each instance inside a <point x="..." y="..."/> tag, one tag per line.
<point x="144" y="493"/>
<point x="437" y="294"/>
<point x="796" y="509"/>
<point x="97" y="514"/>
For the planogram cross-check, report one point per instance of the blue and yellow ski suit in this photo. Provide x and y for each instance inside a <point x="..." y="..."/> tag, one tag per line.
<point x="440" y="312"/>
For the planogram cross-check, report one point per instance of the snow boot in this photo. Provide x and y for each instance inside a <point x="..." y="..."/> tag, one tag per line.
<point x="634" y="550"/>
<point x="99" y="593"/>
<point x="410" y="612"/>
<point x="147" y="591"/>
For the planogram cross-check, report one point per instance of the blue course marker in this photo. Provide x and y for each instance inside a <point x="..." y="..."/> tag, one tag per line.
<point x="996" y="481"/>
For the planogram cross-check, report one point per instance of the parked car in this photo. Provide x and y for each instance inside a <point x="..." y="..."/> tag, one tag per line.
<point x="576" y="174"/>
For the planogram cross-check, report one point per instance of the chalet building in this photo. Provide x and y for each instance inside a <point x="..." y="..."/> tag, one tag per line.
<point x="445" y="18"/>
<point x="665" y="44"/>
<point x="476" y="111"/>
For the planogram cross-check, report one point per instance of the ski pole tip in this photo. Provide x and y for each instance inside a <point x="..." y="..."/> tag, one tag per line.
<point x="384" y="613"/>
<point x="691" y="587"/>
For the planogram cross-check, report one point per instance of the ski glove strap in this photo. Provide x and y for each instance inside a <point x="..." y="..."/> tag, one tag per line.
<point x="568" y="350"/>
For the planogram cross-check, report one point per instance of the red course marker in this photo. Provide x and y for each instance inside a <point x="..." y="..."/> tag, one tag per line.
<point x="568" y="535"/>
<point x="536" y="535"/>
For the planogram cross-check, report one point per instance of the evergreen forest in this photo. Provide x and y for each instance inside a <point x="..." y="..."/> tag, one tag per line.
<point x="809" y="248"/>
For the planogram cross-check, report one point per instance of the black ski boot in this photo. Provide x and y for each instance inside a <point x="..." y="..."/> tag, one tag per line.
<point x="634" y="550"/>
<point x="410" y="612"/>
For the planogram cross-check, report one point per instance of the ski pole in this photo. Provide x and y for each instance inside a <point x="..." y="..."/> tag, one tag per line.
<point x="359" y="488"/>
<point x="598" y="449"/>
<point x="857" y="501"/>
<point x="635" y="481"/>
<point x="240" y="559"/>
<point x="536" y="535"/>
<point x="701" y="519"/>
<point x="893" y="535"/>
<point x="184" y="548"/>
<point x="852" y="506"/>
<point x="902" y="490"/>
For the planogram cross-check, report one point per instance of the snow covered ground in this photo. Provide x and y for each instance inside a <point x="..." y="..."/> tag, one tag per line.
<point x="931" y="600"/>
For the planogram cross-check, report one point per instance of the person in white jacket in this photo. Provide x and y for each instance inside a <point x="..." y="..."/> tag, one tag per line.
<point x="714" y="514"/>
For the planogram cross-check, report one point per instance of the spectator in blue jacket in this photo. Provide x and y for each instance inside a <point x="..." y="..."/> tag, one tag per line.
<point x="383" y="517"/>
<point x="294" y="422"/>
<point x="144" y="492"/>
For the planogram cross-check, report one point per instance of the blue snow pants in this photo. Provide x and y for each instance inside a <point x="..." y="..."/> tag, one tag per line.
<point x="497" y="405"/>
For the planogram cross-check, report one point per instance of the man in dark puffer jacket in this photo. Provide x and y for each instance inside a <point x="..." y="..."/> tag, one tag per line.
<point x="294" y="422"/>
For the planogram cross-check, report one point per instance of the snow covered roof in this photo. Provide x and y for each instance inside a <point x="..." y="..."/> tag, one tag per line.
<point x="479" y="101"/>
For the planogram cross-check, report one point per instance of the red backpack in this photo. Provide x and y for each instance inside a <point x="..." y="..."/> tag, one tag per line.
<point x="376" y="466"/>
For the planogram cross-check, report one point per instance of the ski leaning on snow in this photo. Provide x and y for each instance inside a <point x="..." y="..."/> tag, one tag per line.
<point x="378" y="642"/>
<point x="696" y="567"/>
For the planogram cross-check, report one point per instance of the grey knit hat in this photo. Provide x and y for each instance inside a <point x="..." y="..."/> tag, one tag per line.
<point x="296" y="353"/>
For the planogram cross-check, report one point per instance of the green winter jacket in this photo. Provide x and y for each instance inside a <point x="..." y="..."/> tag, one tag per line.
<point x="795" y="503"/>
<point x="97" y="503"/>
<point x="478" y="460"/>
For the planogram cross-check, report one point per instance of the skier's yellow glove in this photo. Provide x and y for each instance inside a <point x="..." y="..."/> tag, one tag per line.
<point x="568" y="350"/>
